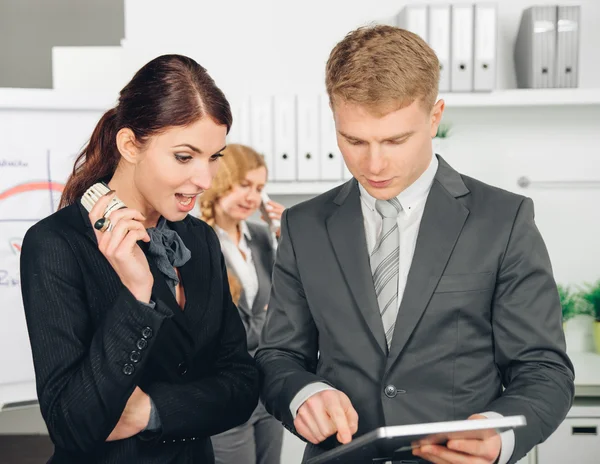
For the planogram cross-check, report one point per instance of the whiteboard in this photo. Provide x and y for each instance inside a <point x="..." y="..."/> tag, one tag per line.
<point x="37" y="152"/>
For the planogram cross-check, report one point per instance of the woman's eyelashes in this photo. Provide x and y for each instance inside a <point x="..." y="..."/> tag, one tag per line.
<point x="182" y="158"/>
<point x="186" y="158"/>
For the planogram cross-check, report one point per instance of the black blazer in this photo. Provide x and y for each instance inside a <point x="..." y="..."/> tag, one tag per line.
<point x="93" y="343"/>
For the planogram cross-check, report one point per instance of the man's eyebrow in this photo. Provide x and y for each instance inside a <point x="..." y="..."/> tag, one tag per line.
<point x="399" y="136"/>
<point x="349" y="136"/>
<point x="402" y="135"/>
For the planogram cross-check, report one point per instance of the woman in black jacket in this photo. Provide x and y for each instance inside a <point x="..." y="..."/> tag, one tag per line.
<point x="139" y="352"/>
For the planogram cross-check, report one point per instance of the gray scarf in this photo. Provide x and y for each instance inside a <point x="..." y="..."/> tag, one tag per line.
<point x="168" y="251"/>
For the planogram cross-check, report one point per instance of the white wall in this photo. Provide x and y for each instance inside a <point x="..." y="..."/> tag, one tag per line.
<point x="269" y="46"/>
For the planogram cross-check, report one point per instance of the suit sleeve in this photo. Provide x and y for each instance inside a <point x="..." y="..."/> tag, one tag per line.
<point x="219" y="401"/>
<point x="287" y="354"/>
<point x="84" y="376"/>
<point x="528" y="336"/>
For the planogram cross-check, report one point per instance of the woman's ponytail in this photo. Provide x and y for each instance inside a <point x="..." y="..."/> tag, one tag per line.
<point x="97" y="160"/>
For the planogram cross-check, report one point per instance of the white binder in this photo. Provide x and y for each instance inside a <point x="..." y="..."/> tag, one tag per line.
<point x="285" y="139"/>
<point x="331" y="157"/>
<point x="567" y="46"/>
<point x="413" y="18"/>
<point x="484" y="74"/>
<point x="240" y="129"/>
<point x="439" y="40"/>
<point x="535" y="48"/>
<point x="261" y="125"/>
<point x="461" y="57"/>
<point x="308" y="137"/>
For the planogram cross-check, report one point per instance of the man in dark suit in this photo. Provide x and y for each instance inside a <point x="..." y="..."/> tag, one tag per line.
<point x="411" y="293"/>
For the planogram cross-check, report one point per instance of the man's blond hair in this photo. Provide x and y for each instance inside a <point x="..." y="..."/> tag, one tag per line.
<point x="383" y="68"/>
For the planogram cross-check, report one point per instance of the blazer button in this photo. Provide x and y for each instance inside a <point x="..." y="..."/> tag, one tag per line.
<point x="128" y="369"/>
<point x="147" y="332"/>
<point x="390" y="391"/>
<point x="182" y="368"/>
<point x="141" y="344"/>
<point x="135" y="356"/>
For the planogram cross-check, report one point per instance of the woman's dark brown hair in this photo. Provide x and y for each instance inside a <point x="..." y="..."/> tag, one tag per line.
<point x="171" y="90"/>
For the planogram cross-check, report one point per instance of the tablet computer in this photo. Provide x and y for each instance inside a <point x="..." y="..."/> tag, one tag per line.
<point x="396" y="442"/>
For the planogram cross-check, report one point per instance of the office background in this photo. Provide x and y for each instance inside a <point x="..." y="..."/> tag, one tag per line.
<point x="268" y="55"/>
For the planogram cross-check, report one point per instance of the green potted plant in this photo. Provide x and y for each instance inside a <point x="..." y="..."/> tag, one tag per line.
<point x="577" y="317"/>
<point x="443" y="132"/>
<point x="591" y="294"/>
<point x="568" y="302"/>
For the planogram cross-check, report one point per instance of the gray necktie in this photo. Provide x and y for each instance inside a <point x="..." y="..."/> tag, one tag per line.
<point x="385" y="263"/>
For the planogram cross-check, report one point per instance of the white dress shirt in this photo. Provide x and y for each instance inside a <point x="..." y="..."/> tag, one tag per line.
<point x="413" y="201"/>
<point x="242" y="264"/>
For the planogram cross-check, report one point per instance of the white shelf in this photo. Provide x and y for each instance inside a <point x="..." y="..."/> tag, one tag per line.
<point x="52" y="99"/>
<point x="523" y="97"/>
<point x="587" y="373"/>
<point x="16" y="395"/>
<point x="301" y="187"/>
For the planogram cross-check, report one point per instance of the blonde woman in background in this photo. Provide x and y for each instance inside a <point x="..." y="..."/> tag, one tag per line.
<point x="249" y="255"/>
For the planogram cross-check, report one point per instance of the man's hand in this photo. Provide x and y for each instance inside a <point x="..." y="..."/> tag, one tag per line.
<point x="134" y="417"/>
<point x="484" y="451"/>
<point x="324" y="414"/>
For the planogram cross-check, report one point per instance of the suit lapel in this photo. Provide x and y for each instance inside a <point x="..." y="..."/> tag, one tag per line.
<point x="86" y="226"/>
<point x="262" y="253"/>
<point x="347" y="235"/>
<point x="441" y="225"/>
<point x="241" y="304"/>
<point x="196" y="274"/>
<point x="261" y="250"/>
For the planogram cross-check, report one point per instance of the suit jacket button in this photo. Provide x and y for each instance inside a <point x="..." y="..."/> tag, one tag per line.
<point x="135" y="356"/>
<point x="182" y="368"/>
<point x="147" y="332"/>
<point x="390" y="391"/>
<point x="141" y="344"/>
<point x="128" y="369"/>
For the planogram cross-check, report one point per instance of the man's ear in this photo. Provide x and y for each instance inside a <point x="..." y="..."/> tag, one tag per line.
<point x="436" y="116"/>
<point x="127" y="145"/>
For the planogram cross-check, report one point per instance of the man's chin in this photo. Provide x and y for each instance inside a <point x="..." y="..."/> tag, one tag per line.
<point x="391" y="190"/>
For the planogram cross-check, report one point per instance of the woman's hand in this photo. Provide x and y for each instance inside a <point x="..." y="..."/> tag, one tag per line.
<point x="118" y="245"/>
<point x="275" y="211"/>
<point x="134" y="418"/>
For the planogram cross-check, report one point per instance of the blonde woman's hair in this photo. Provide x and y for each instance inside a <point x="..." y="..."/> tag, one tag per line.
<point x="237" y="160"/>
<point x="383" y="68"/>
